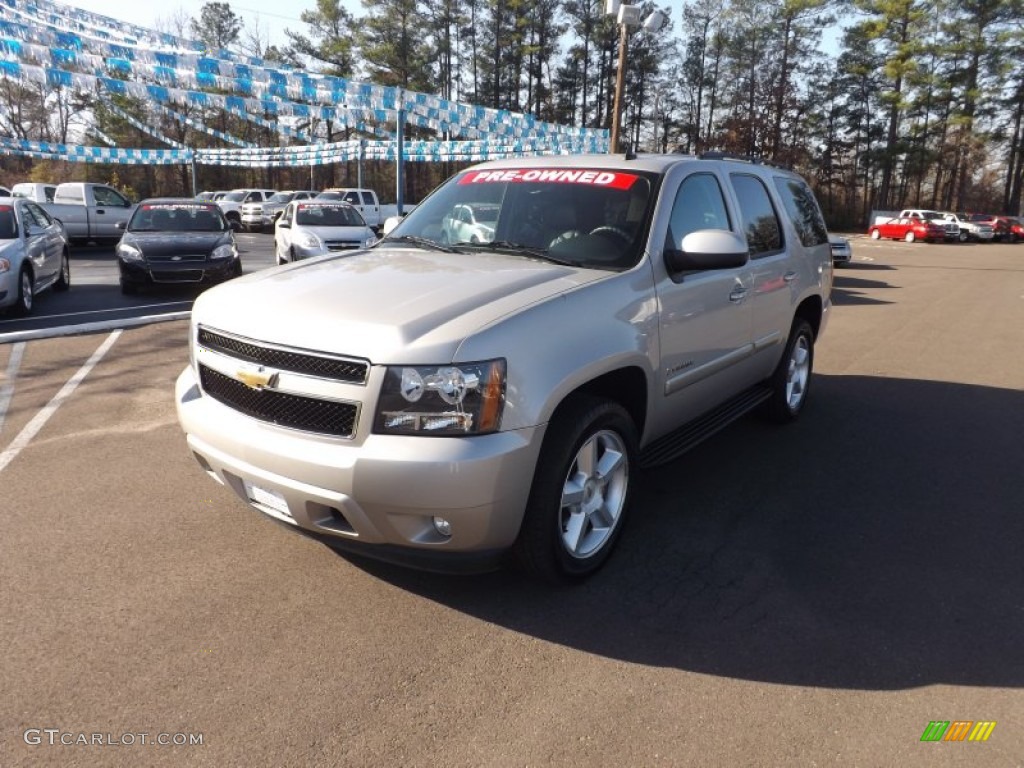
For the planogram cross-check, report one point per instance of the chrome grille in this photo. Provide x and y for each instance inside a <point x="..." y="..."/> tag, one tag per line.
<point x="284" y="409"/>
<point x="349" y="371"/>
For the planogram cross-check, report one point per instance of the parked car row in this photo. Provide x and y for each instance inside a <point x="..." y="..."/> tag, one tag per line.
<point x="257" y="210"/>
<point x="933" y="226"/>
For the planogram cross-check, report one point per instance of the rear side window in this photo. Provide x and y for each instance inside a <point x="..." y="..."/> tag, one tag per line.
<point x="760" y="222"/>
<point x="802" y="207"/>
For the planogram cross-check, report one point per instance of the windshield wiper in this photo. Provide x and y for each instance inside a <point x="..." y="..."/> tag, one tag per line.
<point x="507" y="246"/>
<point x="423" y="242"/>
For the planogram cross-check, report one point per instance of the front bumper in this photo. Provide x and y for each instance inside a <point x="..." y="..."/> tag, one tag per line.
<point x="176" y="272"/>
<point x="375" y="494"/>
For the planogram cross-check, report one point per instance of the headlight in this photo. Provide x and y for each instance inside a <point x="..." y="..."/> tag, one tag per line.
<point x="226" y="251"/>
<point x="308" y="240"/>
<point x="463" y="399"/>
<point x="369" y="240"/>
<point x="129" y="252"/>
<point x="5" y="265"/>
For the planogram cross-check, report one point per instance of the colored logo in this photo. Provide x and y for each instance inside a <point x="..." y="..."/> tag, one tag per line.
<point x="958" y="730"/>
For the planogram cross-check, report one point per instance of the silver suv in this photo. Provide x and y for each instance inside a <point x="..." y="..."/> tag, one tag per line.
<point x="445" y="404"/>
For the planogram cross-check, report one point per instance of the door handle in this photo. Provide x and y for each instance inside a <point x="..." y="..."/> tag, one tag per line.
<point x="738" y="294"/>
<point x="789" y="277"/>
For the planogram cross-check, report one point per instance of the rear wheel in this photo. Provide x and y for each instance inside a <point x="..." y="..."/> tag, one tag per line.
<point x="64" y="279"/>
<point x="580" y="493"/>
<point x="875" y="234"/>
<point x="963" y="237"/>
<point x="792" y="378"/>
<point x="910" y="236"/>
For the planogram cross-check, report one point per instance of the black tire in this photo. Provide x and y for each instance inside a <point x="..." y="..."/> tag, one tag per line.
<point x="64" y="279"/>
<point x="129" y="288"/>
<point x="26" y="295"/>
<point x="236" y="271"/>
<point x="791" y="381"/>
<point x="561" y="541"/>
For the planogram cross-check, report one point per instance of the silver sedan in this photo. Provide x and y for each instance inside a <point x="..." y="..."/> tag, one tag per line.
<point x="314" y="227"/>
<point x="33" y="254"/>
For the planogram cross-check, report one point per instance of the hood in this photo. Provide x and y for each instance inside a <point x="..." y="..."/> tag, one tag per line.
<point x="387" y="305"/>
<point x="158" y="245"/>
<point x="337" y="233"/>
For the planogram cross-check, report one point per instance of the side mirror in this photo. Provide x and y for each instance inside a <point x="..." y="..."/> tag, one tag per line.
<point x="708" y="249"/>
<point x="390" y="223"/>
<point x="121" y="225"/>
<point x="283" y="224"/>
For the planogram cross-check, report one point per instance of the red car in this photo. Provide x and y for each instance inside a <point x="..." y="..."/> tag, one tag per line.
<point x="1016" y="232"/>
<point x="908" y="229"/>
<point x="1000" y="224"/>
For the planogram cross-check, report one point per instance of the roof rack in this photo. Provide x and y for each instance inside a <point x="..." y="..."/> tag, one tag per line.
<point x="715" y="155"/>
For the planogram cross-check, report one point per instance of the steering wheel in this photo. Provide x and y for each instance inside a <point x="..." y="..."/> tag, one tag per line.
<point x="616" y="231"/>
<point x="569" y="234"/>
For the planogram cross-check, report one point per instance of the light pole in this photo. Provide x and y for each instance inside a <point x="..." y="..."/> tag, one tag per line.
<point x="627" y="16"/>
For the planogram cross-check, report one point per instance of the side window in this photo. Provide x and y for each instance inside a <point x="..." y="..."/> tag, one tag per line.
<point x="352" y="197"/>
<point x="803" y="209"/>
<point x="108" y="196"/>
<point x="760" y="222"/>
<point x="699" y="205"/>
<point x="367" y="198"/>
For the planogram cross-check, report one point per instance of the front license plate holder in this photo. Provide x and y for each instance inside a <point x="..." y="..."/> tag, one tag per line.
<point x="268" y="501"/>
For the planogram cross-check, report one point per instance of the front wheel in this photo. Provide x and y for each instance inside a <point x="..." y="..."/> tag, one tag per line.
<point x="910" y="237"/>
<point x="792" y="378"/>
<point x="580" y="493"/>
<point x="875" y="234"/>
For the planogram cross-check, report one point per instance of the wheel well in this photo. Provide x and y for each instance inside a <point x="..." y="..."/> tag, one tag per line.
<point x="810" y="310"/>
<point x="626" y="386"/>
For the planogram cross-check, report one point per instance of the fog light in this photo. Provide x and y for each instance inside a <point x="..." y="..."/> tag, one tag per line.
<point x="443" y="527"/>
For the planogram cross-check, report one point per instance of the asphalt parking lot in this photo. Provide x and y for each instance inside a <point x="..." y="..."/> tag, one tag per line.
<point x="809" y="595"/>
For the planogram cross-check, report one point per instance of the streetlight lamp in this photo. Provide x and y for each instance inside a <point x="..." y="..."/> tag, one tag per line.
<point x="627" y="16"/>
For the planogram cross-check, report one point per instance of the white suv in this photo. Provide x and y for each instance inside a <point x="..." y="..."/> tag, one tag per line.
<point x="231" y="204"/>
<point x="446" y="404"/>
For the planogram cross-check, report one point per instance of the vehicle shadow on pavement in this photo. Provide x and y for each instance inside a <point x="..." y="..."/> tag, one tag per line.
<point x="848" y="290"/>
<point x="874" y="545"/>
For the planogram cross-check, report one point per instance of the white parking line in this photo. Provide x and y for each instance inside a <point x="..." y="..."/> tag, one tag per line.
<point x="39" y="420"/>
<point x="7" y="385"/>
<point x="101" y="325"/>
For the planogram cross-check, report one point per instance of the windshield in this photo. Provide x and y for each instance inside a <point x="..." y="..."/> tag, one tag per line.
<point x="317" y="215"/>
<point x="591" y="217"/>
<point x="234" y="197"/>
<point x="281" y="197"/>
<point x="177" y="217"/>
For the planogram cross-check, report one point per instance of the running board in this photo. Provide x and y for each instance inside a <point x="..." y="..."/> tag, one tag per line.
<point x="687" y="436"/>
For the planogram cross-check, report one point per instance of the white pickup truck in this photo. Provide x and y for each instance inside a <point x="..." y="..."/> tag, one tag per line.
<point x="442" y="400"/>
<point x="89" y="211"/>
<point x="367" y="203"/>
<point x="37" y="192"/>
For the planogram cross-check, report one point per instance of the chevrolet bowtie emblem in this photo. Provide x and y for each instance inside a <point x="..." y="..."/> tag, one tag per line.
<point x="256" y="379"/>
